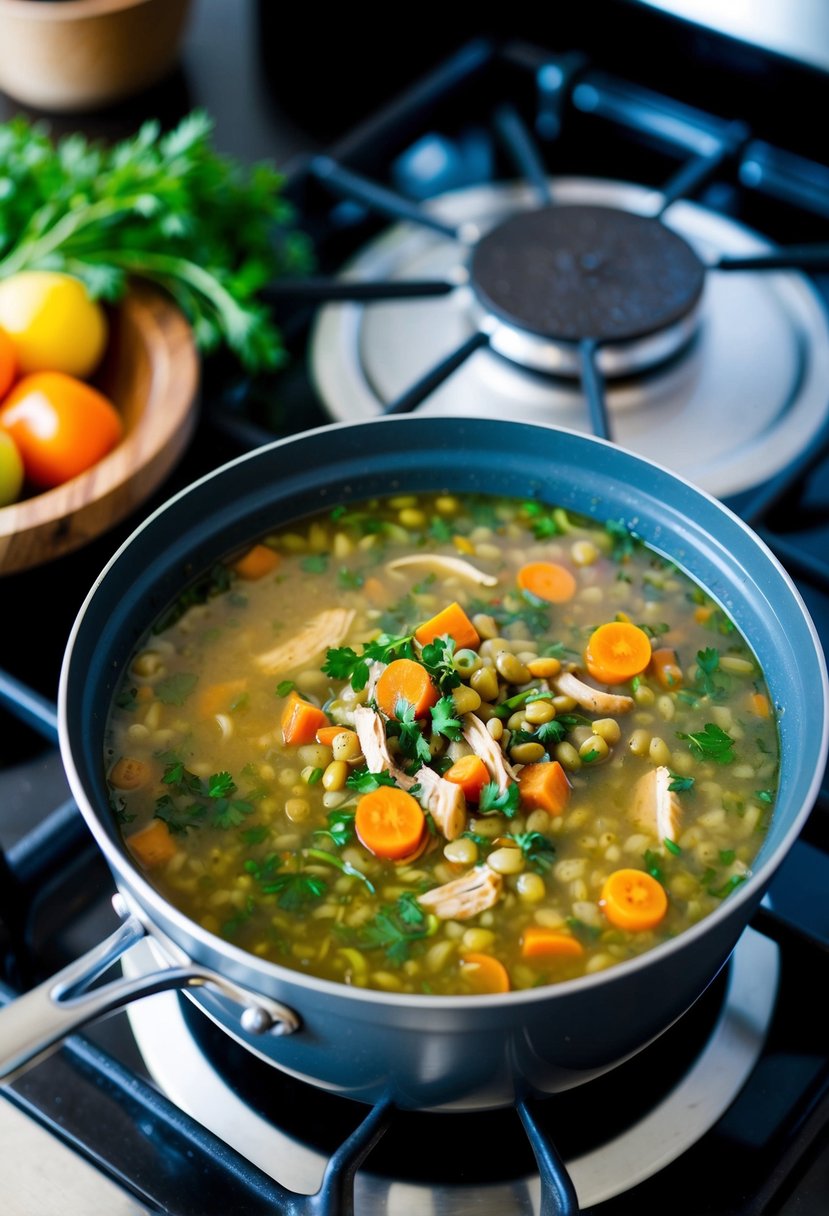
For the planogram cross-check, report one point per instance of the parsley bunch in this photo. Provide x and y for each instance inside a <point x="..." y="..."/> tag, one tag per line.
<point x="159" y="206"/>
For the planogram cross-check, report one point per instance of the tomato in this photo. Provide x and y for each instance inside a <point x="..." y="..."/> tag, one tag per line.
<point x="11" y="470"/>
<point x="8" y="363"/>
<point x="53" y="322"/>
<point x="60" y="425"/>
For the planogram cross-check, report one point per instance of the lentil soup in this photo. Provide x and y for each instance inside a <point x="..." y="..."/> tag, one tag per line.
<point x="446" y="744"/>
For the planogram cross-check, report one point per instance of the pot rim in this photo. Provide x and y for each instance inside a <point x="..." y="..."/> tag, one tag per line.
<point x="150" y="898"/>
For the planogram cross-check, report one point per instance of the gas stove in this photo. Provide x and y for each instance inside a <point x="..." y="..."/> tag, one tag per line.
<point x="662" y="174"/>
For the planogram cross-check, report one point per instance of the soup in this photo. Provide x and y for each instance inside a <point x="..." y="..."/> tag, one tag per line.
<point x="447" y="744"/>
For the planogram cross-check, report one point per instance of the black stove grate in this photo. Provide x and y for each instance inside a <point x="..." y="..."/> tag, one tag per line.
<point x="541" y="108"/>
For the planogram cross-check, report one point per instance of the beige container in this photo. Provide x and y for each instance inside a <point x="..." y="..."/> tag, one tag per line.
<point x="74" y="55"/>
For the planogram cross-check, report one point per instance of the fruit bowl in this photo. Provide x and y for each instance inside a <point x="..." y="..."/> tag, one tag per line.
<point x="150" y="372"/>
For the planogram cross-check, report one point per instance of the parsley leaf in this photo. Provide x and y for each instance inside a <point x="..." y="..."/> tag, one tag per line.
<point x="340" y="830"/>
<point x="174" y="690"/>
<point x="538" y="849"/>
<point x="436" y="657"/>
<point x="711" y="743"/>
<point x="408" y="730"/>
<point x="364" y="782"/>
<point x="394" y="929"/>
<point x="444" y="721"/>
<point x="492" y="800"/>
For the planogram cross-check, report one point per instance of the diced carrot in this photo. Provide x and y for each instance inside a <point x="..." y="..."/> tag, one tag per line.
<point x="451" y="620"/>
<point x="463" y="545"/>
<point x="389" y="822"/>
<point x="327" y="734"/>
<point x="758" y="703"/>
<point x="129" y="773"/>
<point x="376" y="592"/>
<point x="633" y="899"/>
<point x="219" y="698"/>
<point x="665" y="668"/>
<point x="405" y="680"/>
<point x="301" y="720"/>
<point x="538" y="942"/>
<point x="617" y="651"/>
<point x="548" y="581"/>
<point x="257" y="562"/>
<point x="484" y="973"/>
<point x="544" y="787"/>
<point x="471" y="774"/>
<point x="702" y="613"/>
<point x="152" y="845"/>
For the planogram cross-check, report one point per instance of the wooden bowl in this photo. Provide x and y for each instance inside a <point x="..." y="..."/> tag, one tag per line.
<point x="151" y="373"/>
<point x="71" y="55"/>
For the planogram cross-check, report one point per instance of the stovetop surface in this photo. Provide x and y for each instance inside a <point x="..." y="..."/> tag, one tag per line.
<point x="767" y="1152"/>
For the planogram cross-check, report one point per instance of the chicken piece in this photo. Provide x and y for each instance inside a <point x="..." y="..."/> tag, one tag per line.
<point x="464" y="897"/>
<point x="483" y="745"/>
<point x="325" y="630"/>
<point x="444" y="800"/>
<point x="589" y="698"/>
<point x="372" y="735"/>
<point x="375" y="669"/>
<point x="656" y="807"/>
<point x="444" y="565"/>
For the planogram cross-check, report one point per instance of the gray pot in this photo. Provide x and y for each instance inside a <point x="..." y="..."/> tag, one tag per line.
<point x="460" y="1053"/>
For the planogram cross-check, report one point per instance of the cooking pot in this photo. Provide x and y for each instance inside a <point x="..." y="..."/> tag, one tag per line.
<point x="425" y="1052"/>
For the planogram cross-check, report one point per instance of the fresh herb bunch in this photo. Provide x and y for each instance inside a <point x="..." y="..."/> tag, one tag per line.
<point x="159" y="206"/>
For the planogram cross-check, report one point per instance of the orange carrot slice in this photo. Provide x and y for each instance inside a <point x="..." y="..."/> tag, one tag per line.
<point x="617" y="651"/>
<point x="152" y="845"/>
<point x="471" y="774"/>
<point x="451" y="620"/>
<point x="538" y="942"/>
<point x="301" y="720"/>
<point x="633" y="899"/>
<point x="758" y="704"/>
<point x="389" y="822"/>
<point x="405" y="680"/>
<point x="548" y="581"/>
<point x="544" y="786"/>
<point x="484" y="973"/>
<point x="665" y="668"/>
<point x="257" y="562"/>
<point x="219" y="698"/>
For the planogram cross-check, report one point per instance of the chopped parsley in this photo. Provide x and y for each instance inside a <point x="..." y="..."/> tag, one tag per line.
<point x="710" y="743"/>
<point x="394" y="929"/>
<point x="493" y="801"/>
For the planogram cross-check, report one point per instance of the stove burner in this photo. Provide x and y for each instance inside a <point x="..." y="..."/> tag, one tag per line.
<point x="701" y="1064"/>
<point x="555" y="276"/>
<point x="728" y="412"/>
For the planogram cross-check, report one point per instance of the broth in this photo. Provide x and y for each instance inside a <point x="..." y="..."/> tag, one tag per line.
<point x="444" y="744"/>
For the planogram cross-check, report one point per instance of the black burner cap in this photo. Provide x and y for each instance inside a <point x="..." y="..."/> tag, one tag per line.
<point x="568" y="273"/>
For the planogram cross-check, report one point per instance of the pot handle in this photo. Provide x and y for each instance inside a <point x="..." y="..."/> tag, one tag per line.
<point x="34" y="1024"/>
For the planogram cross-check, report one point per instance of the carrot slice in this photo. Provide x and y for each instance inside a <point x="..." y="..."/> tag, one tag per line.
<point x="405" y="680"/>
<point x="617" y="652"/>
<point x="152" y="845"/>
<point x="471" y="774"/>
<point x="548" y="581"/>
<point x="301" y="720"/>
<point x="758" y="703"/>
<point x="665" y="667"/>
<point x="257" y="562"/>
<point x="484" y="973"/>
<point x="633" y="899"/>
<point x="538" y="942"/>
<point x="544" y="786"/>
<point x="389" y="822"/>
<point x="451" y="620"/>
<point x="129" y="773"/>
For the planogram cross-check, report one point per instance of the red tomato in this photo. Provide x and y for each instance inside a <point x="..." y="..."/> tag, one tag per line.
<point x="61" y="426"/>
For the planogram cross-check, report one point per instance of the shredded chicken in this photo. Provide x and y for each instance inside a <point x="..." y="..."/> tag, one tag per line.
<point x="444" y="800"/>
<point x="375" y="669"/>
<point x="483" y="745"/>
<point x="465" y="896"/>
<point x="372" y="735"/>
<point x="656" y="808"/>
<point x="591" y="698"/>
<point x="324" y="631"/>
<point x="447" y="565"/>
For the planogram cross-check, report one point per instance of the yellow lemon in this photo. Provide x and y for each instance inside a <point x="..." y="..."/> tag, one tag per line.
<point x="53" y="322"/>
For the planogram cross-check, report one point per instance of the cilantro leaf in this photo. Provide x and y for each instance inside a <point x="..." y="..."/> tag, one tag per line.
<point x="364" y="782"/>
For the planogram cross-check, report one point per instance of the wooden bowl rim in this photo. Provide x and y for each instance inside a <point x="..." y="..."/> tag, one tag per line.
<point x="170" y="346"/>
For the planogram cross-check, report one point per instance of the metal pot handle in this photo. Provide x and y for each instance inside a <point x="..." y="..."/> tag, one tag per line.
<point x="34" y="1024"/>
